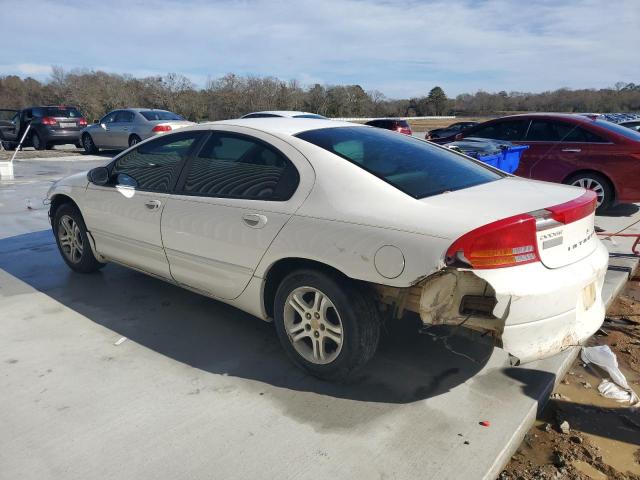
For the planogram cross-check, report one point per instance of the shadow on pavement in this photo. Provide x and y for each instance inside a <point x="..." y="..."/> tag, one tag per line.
<point x="621" y="210"/>
<point x="220" y="339"/>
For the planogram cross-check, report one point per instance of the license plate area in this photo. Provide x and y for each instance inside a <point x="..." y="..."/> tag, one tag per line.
<point x="589" y="295"/>
<point x="67" y="125"/>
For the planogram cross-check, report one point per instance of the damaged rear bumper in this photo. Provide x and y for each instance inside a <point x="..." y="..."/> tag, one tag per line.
<point x="531" y="311"/>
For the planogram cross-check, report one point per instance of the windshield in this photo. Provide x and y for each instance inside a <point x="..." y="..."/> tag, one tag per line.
<point x="620" y="130"/>
<point x="160" y="115"/>
<point x="310" y="115"/>
<point x="417" y="168"/>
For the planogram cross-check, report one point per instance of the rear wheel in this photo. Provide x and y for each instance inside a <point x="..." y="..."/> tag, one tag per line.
<point x="37" y="142"/>
<point x="87" y="143"/>
<point x="73" y="243"/>
<point x="327" y="325"/>
<point x="9" y="146"/>
<point x="598" y="184"/>
<point x="133" y="139"/>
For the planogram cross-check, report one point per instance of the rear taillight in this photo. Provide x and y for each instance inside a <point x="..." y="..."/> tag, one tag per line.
<point x="513" y="241"/>
<point x="48" y="121"/>
<point x="505" y="243"/>
<point x="82" y="122"/>
<point x="162" y="128"/>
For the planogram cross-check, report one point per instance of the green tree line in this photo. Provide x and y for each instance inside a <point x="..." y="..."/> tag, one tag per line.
<point x="231" y="96"/>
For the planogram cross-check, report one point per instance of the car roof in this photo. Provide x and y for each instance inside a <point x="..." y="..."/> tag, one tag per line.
<point x="560" y="116"/>
<point x="278" y="125"/>
<point x="283" y="113"/>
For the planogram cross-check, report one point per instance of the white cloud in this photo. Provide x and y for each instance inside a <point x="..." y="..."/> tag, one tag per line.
<point x="26" y="69"/>
<point x="400" y="49"/>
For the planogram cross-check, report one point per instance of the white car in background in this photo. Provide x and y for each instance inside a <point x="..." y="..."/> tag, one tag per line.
<point x="284" y="114"/>
<point x="120" y="129"/>
<point x="323" y="226"/>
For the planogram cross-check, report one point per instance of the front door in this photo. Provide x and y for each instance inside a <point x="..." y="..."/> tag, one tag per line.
<point x="100" y="132"/>
<point x="234" y="197"/>
<point x="124" y="216"/>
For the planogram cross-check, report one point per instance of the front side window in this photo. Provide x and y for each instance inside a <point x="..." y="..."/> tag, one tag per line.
<point x="109" y="117"/>
<point x="509" y="130"/>
<point x="154" y="166"/>
<point x="238" y="166"/>
<point x="415" y="167"/>
<point x="261" y="115"/>
<point x="310" y="115"/>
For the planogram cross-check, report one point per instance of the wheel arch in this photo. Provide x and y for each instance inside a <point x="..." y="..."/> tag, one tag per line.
<point x="281" y="268"/>
<point x="58" y="200"/>
<point x="597" y="172"/>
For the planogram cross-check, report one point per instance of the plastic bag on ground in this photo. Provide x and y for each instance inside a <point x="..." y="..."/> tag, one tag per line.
<point x="618" y="389"/>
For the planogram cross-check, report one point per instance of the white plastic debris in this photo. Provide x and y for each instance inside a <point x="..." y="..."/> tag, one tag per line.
<point x="120" y="341"/>
<point x="617" y="388"/>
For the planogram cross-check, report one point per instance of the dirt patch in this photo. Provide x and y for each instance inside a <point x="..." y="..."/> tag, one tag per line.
<point x="580" y="434"/>
<point x="27" y="153"/>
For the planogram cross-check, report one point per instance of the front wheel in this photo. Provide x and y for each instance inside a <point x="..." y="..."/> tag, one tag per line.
<point x="598" y="184"/>
<point x="73" y="243"/>
<point x="327" y="325"/>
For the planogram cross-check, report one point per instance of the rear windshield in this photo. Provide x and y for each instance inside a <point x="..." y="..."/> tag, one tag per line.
<point x="310" y="115"/>
<point x="160" y="115"/>
<point x="59" y="112"/>
<point x="417" y="168"/>
<point x="620" y="130"/>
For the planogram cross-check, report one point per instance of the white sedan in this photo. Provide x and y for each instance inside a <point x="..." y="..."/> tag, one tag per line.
<point x="325" y="227"/>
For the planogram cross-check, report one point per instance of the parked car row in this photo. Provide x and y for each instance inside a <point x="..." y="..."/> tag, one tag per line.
<point x="61" y="125"/>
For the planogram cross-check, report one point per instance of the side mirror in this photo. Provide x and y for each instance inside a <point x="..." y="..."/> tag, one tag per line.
<point x="98" y="175"/>
<point x="458" y="137"/>
<point x="96" y="121"/>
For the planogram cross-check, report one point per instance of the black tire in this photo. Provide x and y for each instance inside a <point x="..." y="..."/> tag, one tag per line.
<point x="78" y="145"/>
<point x="134" y="139"/>
<point x="37" y="142"/>
<point x="599" y="184"/>
<point x="355" y="311"/>
<point x="9" y="146"/>
<point x="49" y="146"/>
<point x="89" y="146"/>
<point x="86" y="262"/>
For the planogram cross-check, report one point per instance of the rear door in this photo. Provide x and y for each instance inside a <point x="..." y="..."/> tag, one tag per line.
<point x="556" y="148"/>
<point x="124" y="216"/>
<point x="233" y="198"/>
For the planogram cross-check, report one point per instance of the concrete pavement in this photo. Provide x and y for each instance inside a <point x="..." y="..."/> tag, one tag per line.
<point x="201" y="390"/>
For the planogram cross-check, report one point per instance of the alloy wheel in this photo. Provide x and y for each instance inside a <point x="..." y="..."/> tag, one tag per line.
<point x="313" y="325"/>
<point x="70" y="239"/>
<point x="591" y="184"/>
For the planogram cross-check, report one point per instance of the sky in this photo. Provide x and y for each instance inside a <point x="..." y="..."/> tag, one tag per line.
<point x="400" y="48"/>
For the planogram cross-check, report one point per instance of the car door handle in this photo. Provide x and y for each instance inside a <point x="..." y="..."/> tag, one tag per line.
<point x="153" y="204"/>
<point x="573" y="150"/>
<point x="254" y="220"/>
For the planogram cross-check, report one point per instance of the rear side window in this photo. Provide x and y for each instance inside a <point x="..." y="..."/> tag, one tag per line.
<point x="510" y="130"/>
<point x="417" y="168"/>
<point x="620" y="130"/>
<point x="310" y="115"/>
<point x="152" y="115"/>
<point x="239" y="166"/>
<point x="403" y="123"/>
<point x="554" y="131"/>
<point x="154" y="166"/>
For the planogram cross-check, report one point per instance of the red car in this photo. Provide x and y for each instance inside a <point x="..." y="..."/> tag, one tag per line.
<point x="395" y="124"/>
<point x="573" y="149"/>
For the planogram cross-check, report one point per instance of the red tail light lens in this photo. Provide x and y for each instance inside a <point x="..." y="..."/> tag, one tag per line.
<point x="505" y="243"/>
<point x="48" y="121"/>
<point x="162" y="128"/>
<point x="581" y="207"/>
<point x="82" y="122"/>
